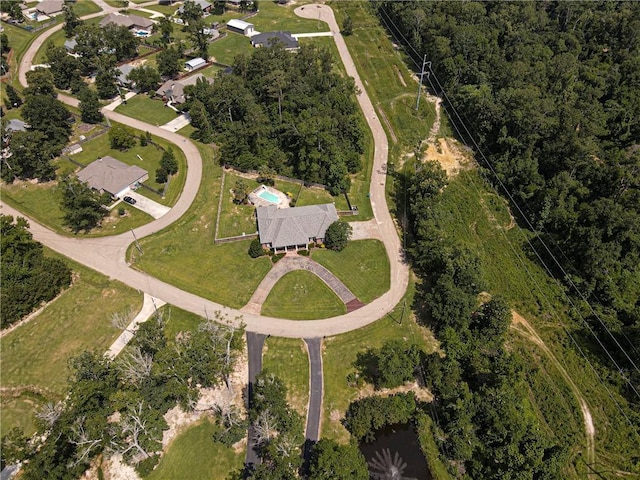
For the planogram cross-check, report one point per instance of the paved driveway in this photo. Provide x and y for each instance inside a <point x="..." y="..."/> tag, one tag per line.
<point x="147" y="205"/>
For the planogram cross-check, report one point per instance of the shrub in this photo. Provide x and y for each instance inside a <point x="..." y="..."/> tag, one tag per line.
<point x="304" y="253"/>
<point x="255" y="249"/>
<point x="276" y="257"/>
<point x="121" y="211"/>
<point x="146" y="466"/>
<point x="337" y="235"/>
<point x="161" y="175"/>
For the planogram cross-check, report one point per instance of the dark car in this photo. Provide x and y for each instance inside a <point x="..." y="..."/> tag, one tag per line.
<point x="129" y="200"/>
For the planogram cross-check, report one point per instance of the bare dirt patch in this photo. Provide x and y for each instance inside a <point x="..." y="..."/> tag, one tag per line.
<point x="421" y="393"/>
<point x="448" y="153"/>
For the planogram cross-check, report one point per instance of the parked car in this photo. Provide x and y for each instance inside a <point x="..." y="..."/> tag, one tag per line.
<point x="129" y="200"/>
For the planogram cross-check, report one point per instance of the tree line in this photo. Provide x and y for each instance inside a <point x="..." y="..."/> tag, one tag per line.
<point x="292" y="113"/>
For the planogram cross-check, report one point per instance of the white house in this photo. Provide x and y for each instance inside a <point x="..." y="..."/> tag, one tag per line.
<point x="240" y="26"/>
<point x="195" y="63"/>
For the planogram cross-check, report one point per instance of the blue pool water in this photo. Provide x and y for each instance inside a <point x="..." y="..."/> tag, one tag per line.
<point x="268" y="196"/>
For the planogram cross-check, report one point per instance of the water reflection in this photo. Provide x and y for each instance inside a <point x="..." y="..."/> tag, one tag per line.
<point x="395" y="454"/>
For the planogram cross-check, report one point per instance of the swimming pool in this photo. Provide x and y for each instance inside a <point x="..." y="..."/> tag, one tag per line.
<point x="268" y="196"/>
<point x="141" y="33"/>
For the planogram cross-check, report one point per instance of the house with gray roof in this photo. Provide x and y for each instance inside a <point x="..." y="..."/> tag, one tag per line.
<point x="294" y="228"/>
<point x="132" y="22"/>
<point x="173" y="90"/>
<point x="268" y="39"/>
<point x="110" y="175"/>
<point x="203" y="4"/>
<point x="123" y="74"/>
<point x="49" y="7"/>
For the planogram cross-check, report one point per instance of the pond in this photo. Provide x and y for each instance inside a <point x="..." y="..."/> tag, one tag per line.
<point x="395" y="454"/>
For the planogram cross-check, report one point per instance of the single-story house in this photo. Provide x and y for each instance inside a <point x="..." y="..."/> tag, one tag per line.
<point x="49" y="7"/>
<point x="110" y="175"/>
<point x="123" y="76"/>
<point x="15" y="125"/>
<point x="195" y="63"/>
<point x="132" y="22"/>
<point x="268" y="39"/>
<point x="203" y="4"/>
<point x="70" y="44"/>
<point x="173" y="90"/>
<point x="240" y="26"/>
<point x="293" y="228"/>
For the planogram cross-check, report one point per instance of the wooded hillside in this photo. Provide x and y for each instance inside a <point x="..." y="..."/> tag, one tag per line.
<point x="550" y="94"/>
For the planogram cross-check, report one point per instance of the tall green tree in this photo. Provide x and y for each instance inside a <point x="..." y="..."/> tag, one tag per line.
<point x="337" y="235"/>
<point x="64" y="68"/>
<point x="14" y="99"/>
<point x="48" y="116"/>
<point x="168" y="62"/>
<point x="121" y="137"/>
<point x="83" y="207"/>
<point x="90" y="106"/>
<point x="30" y="158"/>
<point x="71" y="20"/>
<point x="145" y="78"/>
<point x="330" y="460"/>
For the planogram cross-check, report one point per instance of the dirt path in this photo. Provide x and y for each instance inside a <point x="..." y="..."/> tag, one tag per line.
<point x="524" y="328"/>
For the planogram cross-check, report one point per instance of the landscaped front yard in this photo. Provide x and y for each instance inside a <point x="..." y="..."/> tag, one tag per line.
<point x="149" y="110"/>
<point x="301" y="295"/>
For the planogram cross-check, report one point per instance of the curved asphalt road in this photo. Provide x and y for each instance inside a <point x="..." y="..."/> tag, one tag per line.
<point x="107" y="254"/>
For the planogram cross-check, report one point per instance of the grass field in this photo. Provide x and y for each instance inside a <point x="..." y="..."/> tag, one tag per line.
<point x="287" y="358"/>
<point x="195" y="452"/>
<point x="363" y="266"/>
<point x="148" y="110"/>
<point x="301" y="295"/>
<point x="227" y="48"/>
<point x="36" y="354"/>
<point x="186" y="256"/>
<point x="281" y="17"/>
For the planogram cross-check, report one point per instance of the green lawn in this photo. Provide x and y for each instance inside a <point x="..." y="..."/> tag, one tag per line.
<point x="340" y="353"/>
<point x="273" y="17"/>
<point x="227" y="48"/>
<point x="195" y="455"/>
<point x="301" y="295"/>
<point x="148" y="110"/>
<point x="57" y="39"/>
<point x="363" y="266"/>
<point x="186" y="256"/>
<point x="19" y="41"/>
<point x="287" y="358"/>
<point x="36" y="354"/>
<point x="235" y="219"/>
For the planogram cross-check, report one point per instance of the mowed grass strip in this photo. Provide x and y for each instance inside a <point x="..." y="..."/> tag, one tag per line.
<point x="301" y="295"/>
<point x="149" y="110"/>
<point x="226" y="49"/>
<point x="194" y="455"/>
<point x="37" y="353"/>
<point x="282" y="17"/>
<point x="287" y="358"/>
<point x="185" y="254"/>
<point x="363" y="266"/>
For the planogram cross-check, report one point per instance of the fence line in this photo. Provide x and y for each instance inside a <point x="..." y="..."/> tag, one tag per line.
<point x="237" y="238"/>
<point x="215" y="233"/>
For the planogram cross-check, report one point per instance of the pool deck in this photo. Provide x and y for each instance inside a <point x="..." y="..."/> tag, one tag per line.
<point x="258" y="201"/>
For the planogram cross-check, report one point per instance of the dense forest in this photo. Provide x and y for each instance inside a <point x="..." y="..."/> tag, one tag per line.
<point x="28" y="278"/>
<point x="292" y="113"/>
<point x="548" y="93"/>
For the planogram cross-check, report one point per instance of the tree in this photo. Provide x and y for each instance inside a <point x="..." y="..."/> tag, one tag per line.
<point x="240" y="192"/>
<point x="347" y="25"/>
<point x="40" y="82"/>
<point x="30" y="158"/>
<point x="200" y="121"/>
<point x="145" y="78"/>
<point x="14" y="100"/>
<point x="71" y="20"/>
<point x="121" y="137"/>
<point x="83" y="207"/>
<point x="337" y="235"/>
<point x="165" y="27"/>
<point x="330" y="460"/>
<point x="63" y="67"/>
<point x="28" y="277"/>
<point x="168" y="61"/>
<point x="90" y="106"/>
<point x="169" y="162"/>
<point x="13" y="9"/>
<point x="255" y="249"/>
<point x="191" y="12"/>
<point x="161" y="175"/>
<point x="49" y="116"/>
<point x="106" y="82"/>
<point x="266" y="175"/>
<point x="121" y="41"/>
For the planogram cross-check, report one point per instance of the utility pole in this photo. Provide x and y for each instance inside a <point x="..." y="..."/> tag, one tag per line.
<point x="424" y="64"/>
<point x="137" y="244"/>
